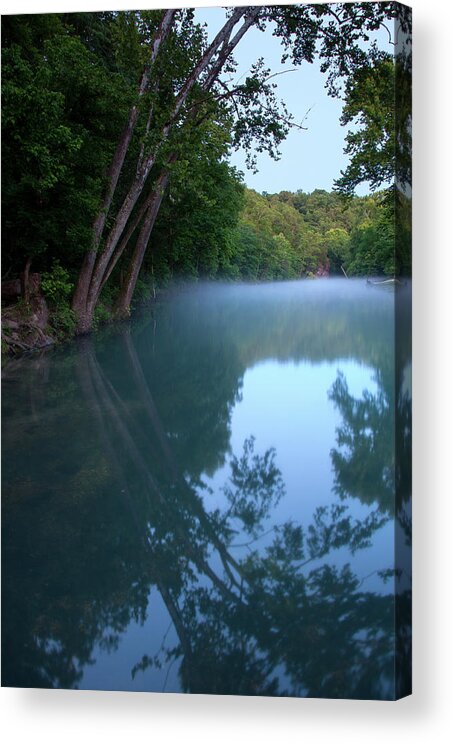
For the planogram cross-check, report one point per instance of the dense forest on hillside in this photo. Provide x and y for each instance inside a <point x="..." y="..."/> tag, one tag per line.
<point x="240" y="234"/>
<point x="116" y="130"/>
<point x="289" y="235"/>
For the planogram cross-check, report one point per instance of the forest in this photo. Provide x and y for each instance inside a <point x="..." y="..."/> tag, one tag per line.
<point x="116" y="130"/>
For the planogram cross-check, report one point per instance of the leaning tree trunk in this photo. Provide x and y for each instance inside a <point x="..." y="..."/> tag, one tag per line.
<point x="144" y="168"/>
<point x="83" y="284"/>
<point x="96" y="265"/>
<point x="124" y="300"/>
<point x="122" y="307"/>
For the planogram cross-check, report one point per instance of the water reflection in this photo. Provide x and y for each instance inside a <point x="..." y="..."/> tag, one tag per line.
<point x="364" y="462"/>
<point x="107" y="450"/>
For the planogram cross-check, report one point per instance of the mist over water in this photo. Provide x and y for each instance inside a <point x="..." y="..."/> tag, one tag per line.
<point x="205" y="499"/>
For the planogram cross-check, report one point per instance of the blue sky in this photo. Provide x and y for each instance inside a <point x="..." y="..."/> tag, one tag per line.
<point x="309" y="159"/>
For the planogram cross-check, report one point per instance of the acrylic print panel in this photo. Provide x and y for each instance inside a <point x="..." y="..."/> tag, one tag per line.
<point x="207" y="354"/>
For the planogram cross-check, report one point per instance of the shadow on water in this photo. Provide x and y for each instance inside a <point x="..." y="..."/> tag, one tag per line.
<point x="105" y="446"/>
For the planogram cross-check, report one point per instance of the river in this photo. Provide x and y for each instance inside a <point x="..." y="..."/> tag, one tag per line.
<point x="206" y="499"/>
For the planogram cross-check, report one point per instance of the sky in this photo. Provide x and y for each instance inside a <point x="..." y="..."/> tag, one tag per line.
<point x="309" y="159"/>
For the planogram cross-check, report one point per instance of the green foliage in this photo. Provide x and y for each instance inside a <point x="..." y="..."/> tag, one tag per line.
<point x="287" y="235"/>
<point x="337" y="242"/>
<point x="62" y="321"/>
<point x="63" y="110"/>
<point x="378" y="104"/>
<point x="69" y="81"/>
<point x="372" y="245"/>
<point x="57" y="288"/>
<point x="194" y="233"/>
<point x="370" y="105"/>
<point x="102" y="315"/>
<point x="56" y="285"/>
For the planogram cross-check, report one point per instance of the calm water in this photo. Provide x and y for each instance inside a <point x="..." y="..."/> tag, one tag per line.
<point x="206" y="500"/>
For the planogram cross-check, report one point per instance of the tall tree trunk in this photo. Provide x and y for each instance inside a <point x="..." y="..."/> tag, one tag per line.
<point x="114" y="172"/>
<point x="128" y="288"/>
<point x="134" y="223"/>
<point x="127" y="291"/>
<point x="92" y="285"/>
<point x="123" y="303"/>
<point x="144" y="170"/>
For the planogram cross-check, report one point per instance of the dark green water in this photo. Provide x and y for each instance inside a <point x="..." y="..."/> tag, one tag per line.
<point x="206" y="499"/>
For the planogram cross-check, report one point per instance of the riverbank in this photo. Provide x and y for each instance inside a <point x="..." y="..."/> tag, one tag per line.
<point x="35" y="325"/>
<point x="26" y="327"/>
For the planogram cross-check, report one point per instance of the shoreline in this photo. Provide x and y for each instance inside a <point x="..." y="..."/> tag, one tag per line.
<point x="27" y="331"/>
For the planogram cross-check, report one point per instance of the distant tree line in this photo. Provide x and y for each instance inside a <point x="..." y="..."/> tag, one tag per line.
<point x="292" y="235"/>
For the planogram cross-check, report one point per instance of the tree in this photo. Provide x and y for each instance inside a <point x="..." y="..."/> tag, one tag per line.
<point x="337" y="240"/>
<point x="378" y="102"/>
<point x="207" y="196"/>
<point x="211" y="61"/>
<point x="370" y="104"/>
<point x="62" y="112"/>
<point x="300" y="28"/>
<point x="148" y="85"/>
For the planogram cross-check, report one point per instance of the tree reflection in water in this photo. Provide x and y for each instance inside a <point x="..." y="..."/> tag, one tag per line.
<point x="280" y="615"/>
<point x="278" y="606"/>
<point x="373" y="463"/>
